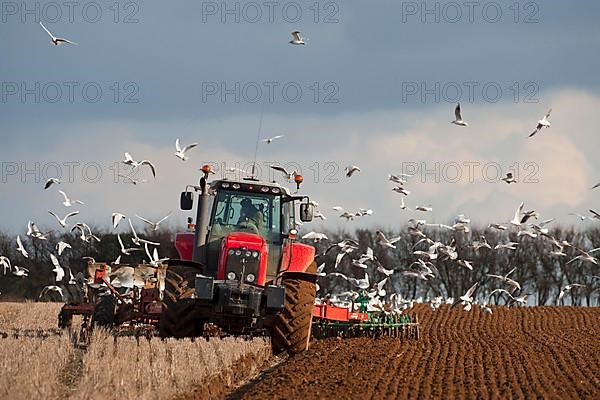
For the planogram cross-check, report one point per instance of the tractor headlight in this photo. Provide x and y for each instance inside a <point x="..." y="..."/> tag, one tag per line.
<point x="250" y="278"/>
<point x="231" y="251"/>
<point x="231" y="276"/>
<point x="248" y="253"/>
<point x="236" y="186"/>
<point x="238" y="252"/>
<point x="255" y="254"/>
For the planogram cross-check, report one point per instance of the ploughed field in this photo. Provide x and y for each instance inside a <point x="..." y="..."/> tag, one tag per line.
<point x="539" y="352"/>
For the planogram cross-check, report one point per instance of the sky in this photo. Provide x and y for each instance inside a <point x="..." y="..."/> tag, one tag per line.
<point x="375" y="86"/>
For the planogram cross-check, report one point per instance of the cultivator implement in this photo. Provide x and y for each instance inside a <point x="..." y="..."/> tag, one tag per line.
<point x="120" y="297"/>
<point x="343" y="321"/>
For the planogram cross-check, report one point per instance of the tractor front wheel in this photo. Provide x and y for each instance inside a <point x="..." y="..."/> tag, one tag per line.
<point x="292" y="328"/>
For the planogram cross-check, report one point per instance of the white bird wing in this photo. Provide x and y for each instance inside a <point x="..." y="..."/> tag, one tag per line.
<point x="64" y="195"/>
<point x="471" y="290"/>
<point x="148" y="252"/>
<point x="148" y="163"/>
<point x="280" y="168"/>
<point x="66" y="41"/>
<point x="164" y="219"/>
<point x="296" y="35"/>
<point x="145" y="220"/>
<point x="60" y="272"/>
<point x="120" y="242"/>
<point x="189" y="146"/>
<point x="55" y="216"/>
<point x="548" y="113"/>
<point x="47" y="31"/>
<point x="132" y="230"/>
<point x="177" y="146"/>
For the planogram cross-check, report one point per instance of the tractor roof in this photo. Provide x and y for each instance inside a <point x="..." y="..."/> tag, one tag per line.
<point x="250" y="185"/>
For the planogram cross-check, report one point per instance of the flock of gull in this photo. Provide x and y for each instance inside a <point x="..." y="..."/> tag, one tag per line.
<point x="426" y="250"/>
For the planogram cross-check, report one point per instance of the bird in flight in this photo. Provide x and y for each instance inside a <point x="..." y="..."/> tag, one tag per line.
<point x="509" y="178"/>
<point x="68" y="202"/>
<point x="542" y="123"/>
<point x="458" y="117"/>
<point x="351" y="169"/>
<point x="154" y="225"/>
<point x="270" y="140"/>
<point x="180" y="153"/>
<point x="56" y="40"/>
<point x="63" y="221"/>
<point x="135" y="164"/>
<point x="297" y="39"/>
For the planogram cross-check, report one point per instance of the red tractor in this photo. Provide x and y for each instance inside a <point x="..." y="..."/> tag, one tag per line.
<point x="242" y="269"/>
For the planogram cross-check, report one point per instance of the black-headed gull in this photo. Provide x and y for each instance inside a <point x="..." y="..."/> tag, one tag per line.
<point x="117" y="218"/>
<point x="286" y="175"/>
<point x="5" y="264"/>
<point x="61" y="246"/>
<point x="180" y="153"/>
<point x="68" y="202"/>
<point x="56" y="40"/>
<point x="63" y="221"/>
<point x="542" y="123"/>
<point x="509" y="178"/>
<point x="52" y="288"/>
<point x="315" y="236"/>
<point x="270" y="140"/>
<point x="297" y="39"/>
<point x="34" y="232"/>
<point x="567" y="289"/>
<point x="401" y="190"/>
<point x="351" y="169"/>
<point x="154" y="225"/>
<point x="136" y="164"/>
<point x="20" y="271"/>
<point x="384" y="241"/>
<point x="458" y="116"/>
<point x="511" y="282"/>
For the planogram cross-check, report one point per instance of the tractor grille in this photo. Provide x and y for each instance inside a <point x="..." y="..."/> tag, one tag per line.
<point x="244" y="262"/>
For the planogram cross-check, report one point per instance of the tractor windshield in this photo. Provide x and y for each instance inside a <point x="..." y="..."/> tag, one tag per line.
<point x="250" y="212"/>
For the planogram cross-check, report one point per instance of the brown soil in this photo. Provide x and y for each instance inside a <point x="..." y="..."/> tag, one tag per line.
<point x="541" y="352"/>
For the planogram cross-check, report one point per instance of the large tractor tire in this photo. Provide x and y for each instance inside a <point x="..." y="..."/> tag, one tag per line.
<point x="179" y="316"/>
<point x="292" y="327"/>
<point x="104" y="312"/>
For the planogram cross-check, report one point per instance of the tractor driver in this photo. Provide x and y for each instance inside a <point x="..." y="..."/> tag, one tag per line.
<point x="249" y="213"/>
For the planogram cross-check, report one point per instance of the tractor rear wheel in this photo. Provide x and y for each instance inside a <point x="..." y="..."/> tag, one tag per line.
<point x="179" y="316"/>
<point x="292" y="327"/>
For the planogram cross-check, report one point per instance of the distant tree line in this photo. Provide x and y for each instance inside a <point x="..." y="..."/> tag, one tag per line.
<point x="540" y="273"/>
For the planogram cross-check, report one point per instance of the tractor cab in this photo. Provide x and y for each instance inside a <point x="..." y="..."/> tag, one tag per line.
<point x="242" y="227"/>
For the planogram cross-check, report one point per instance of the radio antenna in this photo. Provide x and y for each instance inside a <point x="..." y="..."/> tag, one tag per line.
<point x="262" y="110"/>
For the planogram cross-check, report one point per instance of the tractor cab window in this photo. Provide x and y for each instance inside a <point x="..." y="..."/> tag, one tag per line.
<point x="250" y="212"/>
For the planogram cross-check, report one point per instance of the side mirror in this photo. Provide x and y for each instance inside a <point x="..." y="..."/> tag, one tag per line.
<point x="306" y="212"/>
<point x="187" y="201"/>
